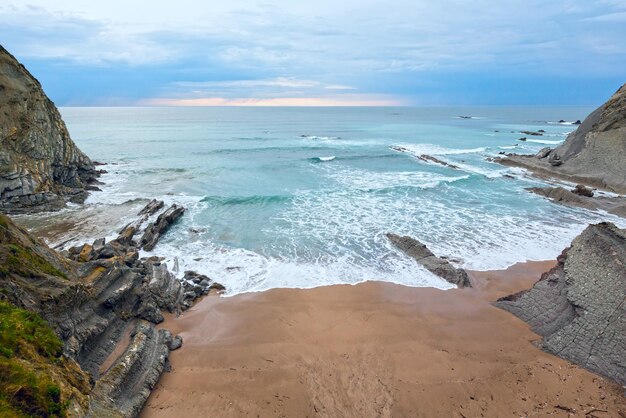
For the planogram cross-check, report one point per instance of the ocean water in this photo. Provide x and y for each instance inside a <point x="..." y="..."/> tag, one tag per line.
<point x="302" y="197"/>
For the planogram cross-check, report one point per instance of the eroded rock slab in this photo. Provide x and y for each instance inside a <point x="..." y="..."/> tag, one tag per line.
<point x="436" y="265"/>
<point x="155" y="230"/>
<point x="579" y="307"/>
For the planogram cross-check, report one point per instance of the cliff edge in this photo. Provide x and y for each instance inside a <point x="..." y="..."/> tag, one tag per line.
<point x="40" y="166"/>
<point x="579" y="307"/>
<point x="594" y="154"/>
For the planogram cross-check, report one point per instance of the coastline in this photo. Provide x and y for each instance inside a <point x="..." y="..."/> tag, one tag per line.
<point x="373" y="349"/>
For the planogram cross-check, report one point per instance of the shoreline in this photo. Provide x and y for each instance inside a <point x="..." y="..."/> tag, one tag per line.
<point x="372" y="349"/>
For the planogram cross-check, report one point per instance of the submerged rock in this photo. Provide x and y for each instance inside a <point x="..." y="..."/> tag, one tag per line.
<point x="40" y="166"/>
<point x="579" y="307"/>
<point x="436" y="265"/>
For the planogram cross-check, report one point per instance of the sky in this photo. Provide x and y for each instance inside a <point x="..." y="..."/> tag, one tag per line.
<point x="322" y="52"/>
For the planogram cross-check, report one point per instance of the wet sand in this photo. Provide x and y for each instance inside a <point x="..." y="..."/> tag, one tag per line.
<point x="373" y="350"/>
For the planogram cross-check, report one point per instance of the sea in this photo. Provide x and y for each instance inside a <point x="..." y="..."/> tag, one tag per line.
<point x="302" y="197"/>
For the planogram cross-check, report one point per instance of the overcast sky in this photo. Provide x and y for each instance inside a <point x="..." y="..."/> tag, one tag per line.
<point x="289" y="52"/>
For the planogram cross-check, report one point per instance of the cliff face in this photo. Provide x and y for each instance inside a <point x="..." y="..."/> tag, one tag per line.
<point x="594" y="154"/>
<point x="579" y="307"/>
<point x="40" y="166"/>
<point x="103" y="302"/>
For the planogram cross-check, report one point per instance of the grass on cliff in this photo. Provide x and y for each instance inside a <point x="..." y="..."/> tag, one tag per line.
<point x="28" y="349"/>
<point x="16" y="259"/>
<point x="25" y="263"/>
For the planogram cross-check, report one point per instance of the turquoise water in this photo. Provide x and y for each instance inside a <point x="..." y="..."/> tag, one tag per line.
<point x="302" y="197"/>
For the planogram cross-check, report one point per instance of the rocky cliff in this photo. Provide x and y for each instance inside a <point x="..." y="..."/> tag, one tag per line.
<point x="594" y="154"/>
<point x="579" y="307"/>
<point x="40" y="166"/>
<point x="103" y="302"/>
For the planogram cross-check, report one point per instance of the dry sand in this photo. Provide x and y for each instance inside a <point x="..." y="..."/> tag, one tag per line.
<point x="370" y="350"/>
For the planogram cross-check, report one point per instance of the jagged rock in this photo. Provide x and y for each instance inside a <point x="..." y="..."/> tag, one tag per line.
<point x="555" y="160"/>
<point x="40" y="166"/>
<point x="436" y="265"/>
<point x="579" y="307"/>
<point x="581" y="190"/>
<point x="155" y="230"/>
<point x="123" y="390"/>
<point x="593" y="154"/>
<point x="523" y="139"/>
<point x="93" y="305"/>
<point x="543" y="153"/>
<point x="151" y="208"/>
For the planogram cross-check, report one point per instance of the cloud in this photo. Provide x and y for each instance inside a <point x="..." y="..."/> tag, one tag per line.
<point x="283" y="49"/>
<point x="344" y="100"/>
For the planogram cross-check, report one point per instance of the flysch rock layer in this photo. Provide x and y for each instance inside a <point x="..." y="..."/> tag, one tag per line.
<point x="103" y="301"/>
<point x="40" y="166"/>
<point x="594" y="154"/>
<point x="579" y="307"/>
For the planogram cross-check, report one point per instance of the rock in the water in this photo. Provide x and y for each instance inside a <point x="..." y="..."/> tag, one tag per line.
<point x="40" y="166"/>
<point x="151" y="208"/>
<point x="579" y="307"/>
<point x="155" y="230"/>
<point x="582" y="190"/>
<point x="436" y="265"/>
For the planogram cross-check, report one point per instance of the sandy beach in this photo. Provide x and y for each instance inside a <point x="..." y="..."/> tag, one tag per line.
<point x="373" y="350"/>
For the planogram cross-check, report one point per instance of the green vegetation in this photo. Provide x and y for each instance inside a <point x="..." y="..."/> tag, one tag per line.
<point x="25" y="263"/>
<point x="17" y="259"/>
<point x="28" y="350"/>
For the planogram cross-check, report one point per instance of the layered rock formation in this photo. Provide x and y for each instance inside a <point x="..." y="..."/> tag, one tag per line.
<point x="103" y="302"/>
<point x="40" y="166"/>
<point x="594" y="154"/>
<point x="579" y="307"/>
<point x="436" y="265"/>
<point x="614" y="205"/>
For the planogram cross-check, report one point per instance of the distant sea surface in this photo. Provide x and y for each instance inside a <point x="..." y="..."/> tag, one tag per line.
<point x="302" y="197"/>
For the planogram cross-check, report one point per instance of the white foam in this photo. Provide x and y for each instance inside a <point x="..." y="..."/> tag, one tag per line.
<point x="544" y="141"/>
<point x="431" y="149"/>
<point x="323" y="138"/>
<point x="246" y="271"/>
<point x="332" y="157"/>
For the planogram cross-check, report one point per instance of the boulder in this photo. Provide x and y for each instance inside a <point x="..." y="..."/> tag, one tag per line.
<point x="582" y="190"/>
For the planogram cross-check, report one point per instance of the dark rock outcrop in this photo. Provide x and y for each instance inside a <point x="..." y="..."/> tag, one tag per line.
<point x="40" y="166"/>
<point x="436" y="265"/>
<point x="103" y="303"/>
<point x="579" y="307"/>
<point x="583" y="198"/>
<point x="154" y="230"/>
<point x="592" y="155"/>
